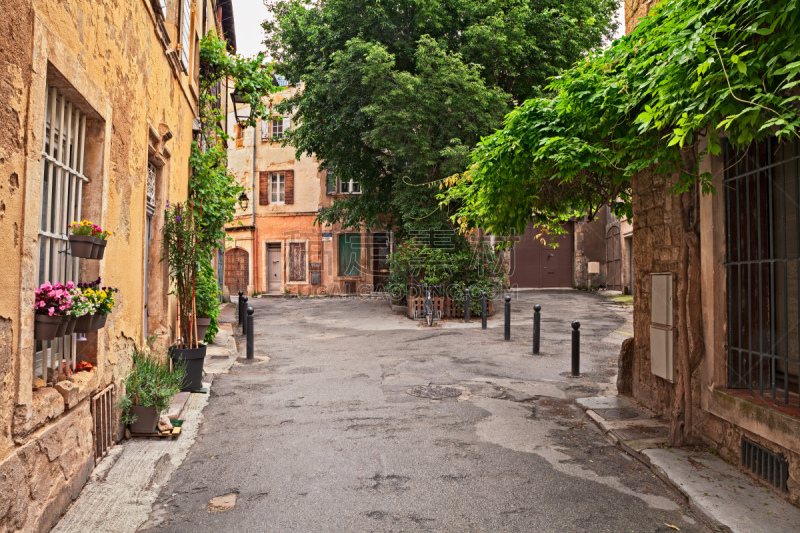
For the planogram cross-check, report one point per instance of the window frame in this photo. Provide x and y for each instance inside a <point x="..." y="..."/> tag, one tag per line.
<point x="277" y="188"/>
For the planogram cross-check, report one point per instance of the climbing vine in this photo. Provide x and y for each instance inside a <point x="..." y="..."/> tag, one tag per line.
<point x="657" y="101"/>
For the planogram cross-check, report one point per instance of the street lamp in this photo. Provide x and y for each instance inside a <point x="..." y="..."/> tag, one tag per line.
<point x="242" y="115"/>
<point x="243" y="201"/>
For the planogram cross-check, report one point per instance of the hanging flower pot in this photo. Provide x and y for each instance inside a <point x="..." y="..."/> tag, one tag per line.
<point x="99" y="322"/>
<point x="81" y="246"/>
<point x="84" y="324"/>
<point x="72" y="321"/>
<point x="99" y="248"/>
<point x="62" y="326"/>
<point x="46" y="327"/>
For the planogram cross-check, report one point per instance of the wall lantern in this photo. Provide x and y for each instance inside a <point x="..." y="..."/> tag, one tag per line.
<point x="243" y="201"/>
<point x="242" y="115"/>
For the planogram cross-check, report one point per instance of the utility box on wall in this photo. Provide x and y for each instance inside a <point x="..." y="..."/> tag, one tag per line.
<point x="661" y="327"/>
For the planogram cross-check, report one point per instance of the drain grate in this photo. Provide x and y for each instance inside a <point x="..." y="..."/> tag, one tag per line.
<point x="770" y="466"/>
<point x="434" y="392"/>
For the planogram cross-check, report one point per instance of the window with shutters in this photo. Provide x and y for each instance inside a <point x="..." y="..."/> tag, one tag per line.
<point x="297" y="261"/>
<point x="350" y="255"/>
<point x="185" y="31"/>
<point x="277" y="187"/>
<point x="62" y="187"/>
<point x="279" y="127"/>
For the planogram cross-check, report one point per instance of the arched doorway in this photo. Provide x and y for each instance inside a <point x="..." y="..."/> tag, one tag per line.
<point x="613" y="259"/>
<point x="237" y="270"/>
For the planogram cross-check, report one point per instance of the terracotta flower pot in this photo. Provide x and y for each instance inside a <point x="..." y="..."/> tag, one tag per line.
<point x="146" y="419"/>
<point x="62" y="326"/>
<point x="71" y="323"/>
<point x="81" y="246"/>
<point x="46" y="327"/>
<point x="99" y="248"/>
<point x="202" y="327"/>
<point x="192" y="358"/>
<point x="84" y="324"/>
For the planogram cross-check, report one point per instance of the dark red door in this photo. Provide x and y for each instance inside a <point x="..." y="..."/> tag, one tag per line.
<point x="237" y="270"/>
<point x="538" y="265"/>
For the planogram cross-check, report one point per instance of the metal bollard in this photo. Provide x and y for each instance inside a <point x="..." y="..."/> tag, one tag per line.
<point x="466" y="305"/>
<point x="576" y="349"/>
<point x="244" y="321"/>
<point x="240" y="309"/>
<point x="249" y="332"/>
<point x="507" y="328"/>
<point x="484" y="312"/>
<point x="536" y="327"/>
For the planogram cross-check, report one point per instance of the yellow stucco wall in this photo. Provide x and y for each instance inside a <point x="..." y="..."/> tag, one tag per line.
<point x="109" y="58"/>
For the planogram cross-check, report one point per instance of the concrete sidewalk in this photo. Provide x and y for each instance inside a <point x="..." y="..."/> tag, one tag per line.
<point x="727" y="499"/>
<point x="121" y="490"/>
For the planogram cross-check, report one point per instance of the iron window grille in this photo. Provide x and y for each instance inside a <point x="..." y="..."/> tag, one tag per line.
<point x="762" y="199"/>
<point x="61" y="196"/>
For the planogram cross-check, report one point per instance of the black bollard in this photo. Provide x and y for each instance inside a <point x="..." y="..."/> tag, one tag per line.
<point x="249" y="332"/>
<point x="240" y="309"/>
<point x="507" y="328"/>
<point x="466" y="305"/>
<point x="576" y="349"/>
<point x="536" y="326"/>
<point x="484" y="312"/>
<point x="244" y="320"/>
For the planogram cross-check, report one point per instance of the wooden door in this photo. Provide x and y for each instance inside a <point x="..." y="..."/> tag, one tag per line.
<point x="537" y="265"/>
<point x="274" y="268"/>
<point x="380" y="261"/>
<point x="237" y="270"/>
<point x="613" y="260"/>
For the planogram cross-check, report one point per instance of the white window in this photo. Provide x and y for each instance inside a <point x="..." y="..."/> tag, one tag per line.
<point x="350" y="187"/>
<point x="279" y="127"/>
<point x="61" y="195"/>
<point x="277" y="187"/>
<point x="334" y="185"/>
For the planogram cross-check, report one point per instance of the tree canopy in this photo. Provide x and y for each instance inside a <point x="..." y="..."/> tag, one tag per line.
<point x="398" y="92"/>
<point x="691" y="69"/>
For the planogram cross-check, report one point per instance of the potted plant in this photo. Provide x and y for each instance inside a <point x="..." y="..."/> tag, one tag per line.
<point x="52" y="303"/>
<point x="100" y="240"/>
<point x="104" y="300"/>
<point x="79" y="306"/>
<point x="183" y="252"/>
<point x="150" y="387"/>
<point x="100" y="302"/>
<point x="207" y="298"/>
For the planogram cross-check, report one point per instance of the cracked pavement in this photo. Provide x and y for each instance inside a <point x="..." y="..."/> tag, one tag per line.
<point x="364" y="421"/>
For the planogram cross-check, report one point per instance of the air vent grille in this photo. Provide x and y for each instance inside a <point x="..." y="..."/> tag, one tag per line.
<point x="770" y="466"/>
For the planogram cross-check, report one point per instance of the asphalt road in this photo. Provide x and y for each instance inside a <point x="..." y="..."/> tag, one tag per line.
<point x="364" y="421"/>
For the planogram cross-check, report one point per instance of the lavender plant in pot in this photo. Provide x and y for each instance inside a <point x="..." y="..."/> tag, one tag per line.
<point x="150" y="387"/>
<point x="183" y="251"/>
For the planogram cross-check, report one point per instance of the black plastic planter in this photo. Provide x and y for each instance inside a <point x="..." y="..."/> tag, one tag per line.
<point x="193" y="359"/>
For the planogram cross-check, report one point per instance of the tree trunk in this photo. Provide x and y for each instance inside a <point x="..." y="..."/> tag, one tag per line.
<point x="690" y="317"/>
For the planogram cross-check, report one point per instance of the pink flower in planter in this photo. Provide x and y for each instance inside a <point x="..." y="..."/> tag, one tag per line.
<point x="51" y="311"/>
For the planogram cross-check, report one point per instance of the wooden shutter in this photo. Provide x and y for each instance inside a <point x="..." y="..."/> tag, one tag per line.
<point x="185" y="28"/>
<point x="263" y="188"/>
<point x="289" y="187"/>
<point x="330" y="182"/>
<point x="265" y="125"/>
<point x="297" y="261"/>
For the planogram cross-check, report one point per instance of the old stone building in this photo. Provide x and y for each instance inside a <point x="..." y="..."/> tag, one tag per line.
<point x="275" y="245"/>
<point x="745" y="400"/>
<point x="99" y="99"/>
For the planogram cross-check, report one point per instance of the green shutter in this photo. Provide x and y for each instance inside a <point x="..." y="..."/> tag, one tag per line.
<point x="350" y="254"/>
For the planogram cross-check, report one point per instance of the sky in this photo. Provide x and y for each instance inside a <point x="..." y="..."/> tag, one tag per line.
<point x="249" y="14"/>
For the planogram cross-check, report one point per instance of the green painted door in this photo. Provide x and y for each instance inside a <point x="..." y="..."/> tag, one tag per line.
<point x="350" y="254"/>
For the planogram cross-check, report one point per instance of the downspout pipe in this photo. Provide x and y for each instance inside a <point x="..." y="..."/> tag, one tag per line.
<point x="256" y="250"/>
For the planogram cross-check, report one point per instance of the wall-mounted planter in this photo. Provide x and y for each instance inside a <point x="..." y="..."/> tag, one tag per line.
<point x="84" y="324"/>
<point x="99" y="322"/>
<point x="100" y="246"/>
<point x="46" y="327"/>
<point x="81" y="246"/>
<point x="62" y="326"/>
<point x="71" y="323"/>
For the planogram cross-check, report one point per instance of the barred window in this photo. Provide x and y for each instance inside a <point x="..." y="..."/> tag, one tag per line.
<point x="61" y="195"/>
